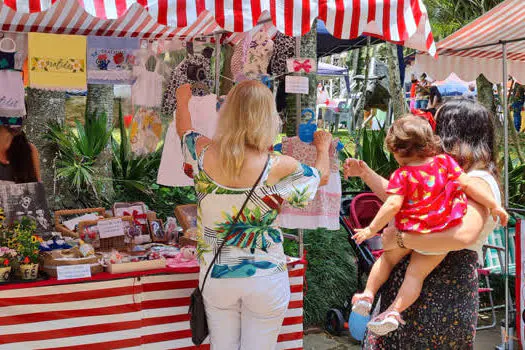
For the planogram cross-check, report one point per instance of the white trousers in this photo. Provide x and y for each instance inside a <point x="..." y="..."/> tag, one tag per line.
<point x="246" y="313"/>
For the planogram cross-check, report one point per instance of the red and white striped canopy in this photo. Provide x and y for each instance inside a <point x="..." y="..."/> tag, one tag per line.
<point x="505" y="22"/>
<point x="399" y="21"/>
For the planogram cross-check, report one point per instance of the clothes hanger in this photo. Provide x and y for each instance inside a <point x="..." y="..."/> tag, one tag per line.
<point x="307" y="131"/>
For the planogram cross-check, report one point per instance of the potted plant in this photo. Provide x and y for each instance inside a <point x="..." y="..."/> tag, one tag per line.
<point x="7" y="259"/>
<point x="27" y="246"/>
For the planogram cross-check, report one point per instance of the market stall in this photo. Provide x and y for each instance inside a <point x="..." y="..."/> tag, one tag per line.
<point x="150" y="266"/>
<point x="492" y="45"/>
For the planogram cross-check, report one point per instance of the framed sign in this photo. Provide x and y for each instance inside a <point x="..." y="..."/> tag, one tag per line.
<point x="29" y="200"/>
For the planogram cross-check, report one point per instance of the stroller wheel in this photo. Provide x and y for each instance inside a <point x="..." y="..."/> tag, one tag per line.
<point x="335" y="322"/>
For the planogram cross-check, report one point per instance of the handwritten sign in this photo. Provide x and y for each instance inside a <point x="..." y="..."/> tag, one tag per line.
<point x="296" y="85"/>
<point x="110" y="228"/>
<point x="67" y="272"/>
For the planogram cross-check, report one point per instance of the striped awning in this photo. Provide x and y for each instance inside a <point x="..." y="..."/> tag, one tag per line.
<point x="400" y="21"/>
<point x="475" y="49"/>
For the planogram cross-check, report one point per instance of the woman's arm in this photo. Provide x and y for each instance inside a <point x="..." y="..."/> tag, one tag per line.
<point x="36" y="162"/>
<point x="377" y="183"/>
<point x="455" y="238"/>
<point x="183" y="116"/>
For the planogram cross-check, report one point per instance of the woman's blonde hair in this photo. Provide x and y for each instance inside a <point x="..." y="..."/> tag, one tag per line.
<point x="248" y="119"/>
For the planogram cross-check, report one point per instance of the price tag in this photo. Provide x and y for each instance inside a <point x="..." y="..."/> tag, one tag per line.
<point x="68" y="272"/>
<point x="110" y="228"/>
<point x="296" y="85"/>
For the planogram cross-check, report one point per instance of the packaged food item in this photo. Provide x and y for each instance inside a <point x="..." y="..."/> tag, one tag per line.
<point x="86" y="249"/>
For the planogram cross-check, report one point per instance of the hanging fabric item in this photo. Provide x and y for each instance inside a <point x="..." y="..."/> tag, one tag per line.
<point x="204" y="118"/>
<point x="323" y="212"/>
<point x="57" y="62"/>
<point x="17" y="43"/>
<point x="251" y="56"/>
<point x="12" y="104"/>
<point x="146" y="131"/>
<point x="196" y="67"/>
<point x="110" y="60"/>
<point x="283" y="49"/>
<point x="147" y="90"/>
<point x="258" y="54"/>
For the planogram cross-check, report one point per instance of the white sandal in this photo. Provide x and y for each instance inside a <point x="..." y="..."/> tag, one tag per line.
<point x="389" y="323"/>
<point x="363" y="306"/>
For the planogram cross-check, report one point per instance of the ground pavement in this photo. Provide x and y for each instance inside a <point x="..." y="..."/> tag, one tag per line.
<point x="485" y="340"/>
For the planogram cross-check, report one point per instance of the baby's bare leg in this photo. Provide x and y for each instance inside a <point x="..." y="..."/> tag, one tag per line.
<point x="418" y="269"/>
<point x="382" y="268"/>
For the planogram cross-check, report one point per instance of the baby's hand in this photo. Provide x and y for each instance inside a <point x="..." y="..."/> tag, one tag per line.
<point x="501" y="214"/>
<point x="363" y="234"/>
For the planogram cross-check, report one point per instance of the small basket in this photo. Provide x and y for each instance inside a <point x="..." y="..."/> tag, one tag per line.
<point x="120" y="243"/>
<point x="61" y="213"/>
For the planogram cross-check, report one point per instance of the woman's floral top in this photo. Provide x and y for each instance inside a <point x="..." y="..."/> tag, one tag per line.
<point x="254" y="244"/>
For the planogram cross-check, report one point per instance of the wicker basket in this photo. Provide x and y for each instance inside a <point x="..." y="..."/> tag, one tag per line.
<point x="73" y="212"/>
<point x="120" y="243"/>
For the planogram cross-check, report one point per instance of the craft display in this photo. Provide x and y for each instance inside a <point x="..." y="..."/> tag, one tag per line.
<point x="51" y="260"/>
<point x="110" y="60"/>
<point x="108" y="234"/>
<point x="146" y="131"/>
<point x="12" y="104"/>
<point x="69" y="227"/>
<point x="57" y="62"/>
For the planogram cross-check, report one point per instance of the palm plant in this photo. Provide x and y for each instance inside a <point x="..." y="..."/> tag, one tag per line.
<point x="78" y="148"/>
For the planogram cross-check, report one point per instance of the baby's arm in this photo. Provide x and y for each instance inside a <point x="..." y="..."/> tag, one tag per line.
<point x="474" y="189"/>
<point x="388" y="211"/>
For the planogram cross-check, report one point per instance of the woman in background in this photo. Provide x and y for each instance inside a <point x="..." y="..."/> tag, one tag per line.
<point x="19" y="160"/>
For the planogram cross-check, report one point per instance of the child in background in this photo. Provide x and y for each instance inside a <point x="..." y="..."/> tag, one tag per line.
<point x="426" y="194"/>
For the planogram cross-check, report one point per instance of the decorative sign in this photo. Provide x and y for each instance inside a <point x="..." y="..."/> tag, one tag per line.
<point x="296" y="85"/>
<point x="110" y="228"/>
<point x="68" y="272"/>
<point x="29" y="200"/>
<point x="301" y="65"/>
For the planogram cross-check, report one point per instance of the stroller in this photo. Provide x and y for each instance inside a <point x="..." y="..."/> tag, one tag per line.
<point x="357" y="211"/>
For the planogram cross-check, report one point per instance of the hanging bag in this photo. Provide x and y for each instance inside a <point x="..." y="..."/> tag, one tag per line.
<point x="197" y="311"/>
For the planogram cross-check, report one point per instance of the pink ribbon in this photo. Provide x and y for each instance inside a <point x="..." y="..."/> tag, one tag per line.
<point x="304" y="65"/>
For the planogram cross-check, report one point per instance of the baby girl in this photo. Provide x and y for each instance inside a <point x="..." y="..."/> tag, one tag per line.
<point x="427" y="194"/>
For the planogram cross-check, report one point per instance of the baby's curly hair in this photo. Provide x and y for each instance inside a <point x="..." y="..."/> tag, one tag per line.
<point x="412" y="136"/>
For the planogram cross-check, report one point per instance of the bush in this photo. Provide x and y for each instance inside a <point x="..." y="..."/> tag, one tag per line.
<point x="331" y="274"/>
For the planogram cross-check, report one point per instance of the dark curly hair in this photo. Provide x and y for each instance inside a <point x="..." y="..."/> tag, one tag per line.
<point x="466" y="130"/>
<point x="412" y="136"/>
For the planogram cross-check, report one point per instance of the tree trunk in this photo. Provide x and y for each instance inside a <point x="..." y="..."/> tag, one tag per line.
<point x="486" y="98"/>
<point x="100" y="99"/>
<point x="308" y="50"/>
<point x="44" y="106"/>
<point x="397" y="94"/>
<point x="360" y="108"/>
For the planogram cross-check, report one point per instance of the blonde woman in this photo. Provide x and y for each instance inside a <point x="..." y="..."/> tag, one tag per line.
<point x="247" y="291"/>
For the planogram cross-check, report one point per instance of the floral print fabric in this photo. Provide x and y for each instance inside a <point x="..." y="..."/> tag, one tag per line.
<point x="433" y="199"/>
<point x="444" y="316"/>
<point x="254" y="244"/>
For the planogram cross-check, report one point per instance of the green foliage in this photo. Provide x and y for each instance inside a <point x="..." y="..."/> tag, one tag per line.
<point x="331" y="274"/>
<point x="78" y="149"/>
<point x="516" y="185"/>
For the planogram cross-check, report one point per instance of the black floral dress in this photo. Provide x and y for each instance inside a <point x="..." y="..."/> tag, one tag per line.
<point x="445" y="315"/>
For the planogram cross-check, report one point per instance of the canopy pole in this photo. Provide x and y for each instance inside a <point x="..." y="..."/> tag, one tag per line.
<point x="506" y="172"/>
<point x="297" y="96"/>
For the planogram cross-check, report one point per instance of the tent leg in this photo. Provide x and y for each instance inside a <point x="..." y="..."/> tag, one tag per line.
<point x="506" y="172"/>
<point x="217" y="64"/>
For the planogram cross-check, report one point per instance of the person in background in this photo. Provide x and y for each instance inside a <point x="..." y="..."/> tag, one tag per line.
<point x="19" y="160"/>
<point x="471" y="92"/>
<point x="517" y="106"/>
<point x="434" y="100"/>
<point x="413" y="88"/>
<point x="422" y="92"/>
<point x="248" y="291"/>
